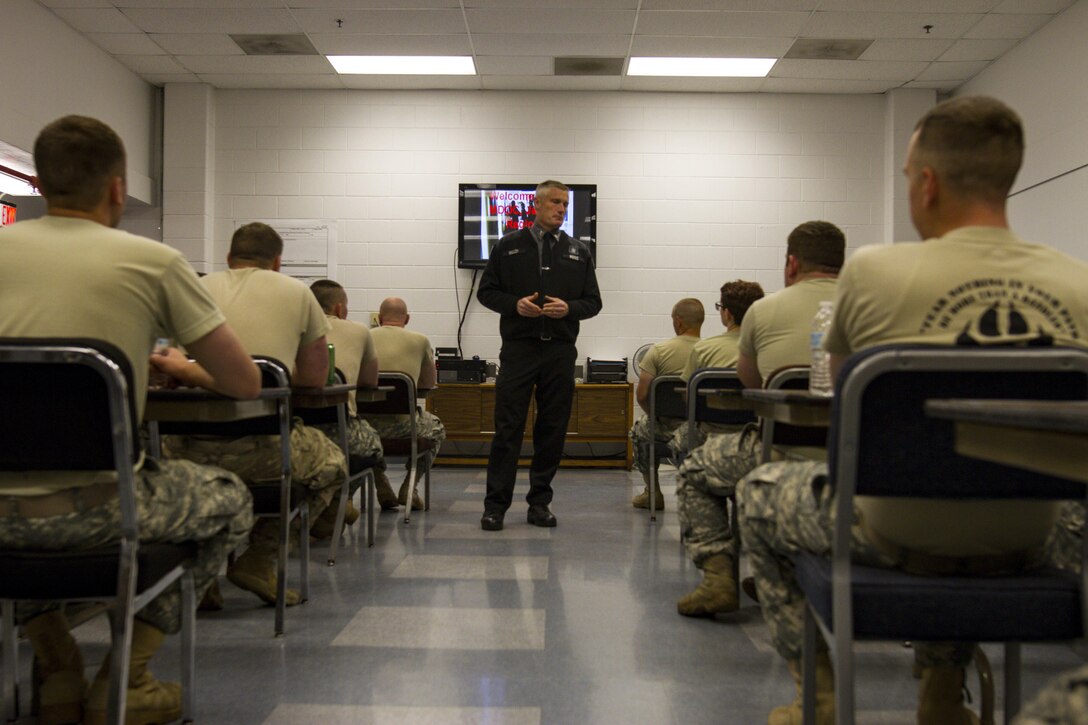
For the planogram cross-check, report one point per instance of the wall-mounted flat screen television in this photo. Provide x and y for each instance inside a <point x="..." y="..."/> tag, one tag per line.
<point x="490" y="211"/>
<point x="7" y="212"/>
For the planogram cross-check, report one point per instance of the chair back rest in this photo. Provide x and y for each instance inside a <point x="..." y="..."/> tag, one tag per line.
<point x="274" y="374"/>
<point x="666" y="398"/>
<point x="882" y="443"/>
<point x="399" y="401"/>
<point x="793" y="377"/>
<point x="699" y="410"/>
<point x="69" y="405"/>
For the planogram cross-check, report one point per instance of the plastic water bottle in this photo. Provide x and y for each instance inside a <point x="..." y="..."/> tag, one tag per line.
<point x="819" y="381"/>
<point x="331" y="379"/>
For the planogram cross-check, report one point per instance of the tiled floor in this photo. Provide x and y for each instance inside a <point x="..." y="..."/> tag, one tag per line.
<point x="443" y="623"/>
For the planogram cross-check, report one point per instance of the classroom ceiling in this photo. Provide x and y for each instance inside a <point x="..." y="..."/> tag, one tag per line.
<point x="515" y="44"/>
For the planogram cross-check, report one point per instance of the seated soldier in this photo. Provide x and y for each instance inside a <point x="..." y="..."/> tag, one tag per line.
<point x="664" y="358"/>
<point x="720" y="351"/>
<point x="141" y="290"/>
<point x="962" y="160"/>
<point x="275" y="316"/>
<point x="403" y="351"/>
<point x="352" y="342"/>
<point x="775" y="334"/>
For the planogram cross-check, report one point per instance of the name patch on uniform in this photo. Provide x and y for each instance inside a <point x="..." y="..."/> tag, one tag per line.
<point x="574" y="257"/>
<point x="512" y="252"/>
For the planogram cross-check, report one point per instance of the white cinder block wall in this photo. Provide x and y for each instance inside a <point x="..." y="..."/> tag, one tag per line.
<point x="694" y="189"/>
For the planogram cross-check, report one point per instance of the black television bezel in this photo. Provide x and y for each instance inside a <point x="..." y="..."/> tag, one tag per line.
<point x="591" y="189"/>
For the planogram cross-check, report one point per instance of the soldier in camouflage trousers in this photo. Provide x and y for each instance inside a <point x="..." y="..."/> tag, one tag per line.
<point x="363" y="442"/>
<point x="428" y="428"/>
<point x="665" y="430"/>
<point x="176" y="502"/>
<point x="788" y="507"/>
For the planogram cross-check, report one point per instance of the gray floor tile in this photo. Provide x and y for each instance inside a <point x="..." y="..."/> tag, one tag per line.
<point x="444" y="628"/>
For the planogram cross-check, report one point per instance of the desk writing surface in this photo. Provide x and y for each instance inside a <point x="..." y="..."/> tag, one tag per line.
<point x="795" y="407"/>
<point x="198" y="404"/>
<point x="726" y="399"/>
<point x="323" y="397"/>
<point x="373" y="395"/>
<point x="1045" y="436"/>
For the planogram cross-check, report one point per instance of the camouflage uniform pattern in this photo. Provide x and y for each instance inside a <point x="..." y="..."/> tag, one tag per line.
<point x="787" y="507"/>
<point x="678" y="443"/>
<point x="176" y="502"/>
<point x="316" y="463"/>
<point x="1064" y="701"/>
<point x="363" y="440"/>
<point x="428" y="427"/>
<point x="640" y="438"/>
<point x="704" y="483"/>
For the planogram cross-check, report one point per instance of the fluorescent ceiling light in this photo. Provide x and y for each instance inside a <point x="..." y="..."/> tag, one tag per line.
<point x="404" y="65"/>
<point x="704" y="67"/>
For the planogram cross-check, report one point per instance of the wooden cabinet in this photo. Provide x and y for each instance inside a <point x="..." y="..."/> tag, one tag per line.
<point x="598" y="414"/>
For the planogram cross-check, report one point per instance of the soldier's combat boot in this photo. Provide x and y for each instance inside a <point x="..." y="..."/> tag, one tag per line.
<point x="386" y="498"/>
<point x="940" y="697"/>
<point x="402" y="497"/>
<point x="149" y="701"/>
<point x="642" y="501"/>
<point x="60" y="667"/>
<point x="212" y="601"/>
<point x="716" y="593"/>
<point x="323" y="526"/>
<point x="255" y="571"/>
<point x="825" y="695"/>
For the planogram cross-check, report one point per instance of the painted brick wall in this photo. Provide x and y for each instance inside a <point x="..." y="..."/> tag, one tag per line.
<point x="694" y="189"/>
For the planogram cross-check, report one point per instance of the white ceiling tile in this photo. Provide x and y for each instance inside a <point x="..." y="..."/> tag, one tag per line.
<point x="719" y="24"/>
<point x="580" y="4"/>
<point x="514" y="65"/>
<point x="412" y="82"/>
<point x="1008" y="26"/>
<point x="360" y="4"/>
<point x="698" y="85"/>
<point x="530" y="44"/>
<point x="887" y="25"/>
<point x="946" y="86"/>
<point x="239" y="64"/>
<point x="822" y="85"/>
<point x="1033" y="6"/>
<point x="76" y="3"/>
<point x="978" y="49"/>
<point x="951" y="71"/>
<point x="907" y="49"/>
<point x="125" y="43"/>
<point x="377" y="22"/>
<point x="914" y="6"/>
<point x="732" y="5"/>
<point x="550" y="83"/>
<point x="676" y="45"/>
<point x="212" y="21"/>
<point x="602" y="22"/>
<point x="198" y="4"/>
<point x="858" y="70"/>
<point x="151" y="63"/>
<point x="96" y="20"/>
<point x="390" y="44"/>
<point x="161" y="79"/>
<point x="197" y="43"/>
<point x="276" y="80"/>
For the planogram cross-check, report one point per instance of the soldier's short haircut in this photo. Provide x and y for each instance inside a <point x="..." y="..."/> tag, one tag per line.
<point x="738" y="296"/>
<point x="543" y="186"/>
<point x="689" y="311"/>
<point x="975" y="144"/>
<point x="75" y="157"/>
<point x="818" y="247"/>
<point x="256" y="242"/>
<point x="329" y="294"/>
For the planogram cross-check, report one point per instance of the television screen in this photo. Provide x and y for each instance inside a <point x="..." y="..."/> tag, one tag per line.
<point x="7" y="212"/>
<point x="490" y="211"/>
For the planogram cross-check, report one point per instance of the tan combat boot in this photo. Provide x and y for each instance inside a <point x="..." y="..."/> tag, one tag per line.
<point x="386" y="498"/>
<point x="825" y="695"/>
<point x="402" y="497"/>
<point x="716" y="594"/>
<point x="940" y="697"/>
<point x="255" y="570"/>
<point x="642" y="501"/>
<point x="323" y="526"/>
<point x="149" y="701"/>
<point x="60" y="666"/>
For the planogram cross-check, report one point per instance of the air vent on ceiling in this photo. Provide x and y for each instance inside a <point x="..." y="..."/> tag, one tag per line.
<point x="586" y="66"/>
<point x="827" y="49"/>
<point x="289" y="44"/>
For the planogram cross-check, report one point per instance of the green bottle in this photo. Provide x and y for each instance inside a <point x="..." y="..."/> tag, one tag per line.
<point x="332" y="365"/>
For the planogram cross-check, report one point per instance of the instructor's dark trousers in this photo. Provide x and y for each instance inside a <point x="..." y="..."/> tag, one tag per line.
<point x="549" y="366"/>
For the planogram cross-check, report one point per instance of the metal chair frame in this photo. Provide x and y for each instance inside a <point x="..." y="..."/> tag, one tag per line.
<point x="665" y="400"/>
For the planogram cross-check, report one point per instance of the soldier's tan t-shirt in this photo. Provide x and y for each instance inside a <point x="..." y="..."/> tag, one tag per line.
<point x="274" y="315"/>
<point x="776" y="328"/>
<point x="719" y="351"/>
<point x="401" y="350"/>
<point x="981" y="283"/>
<point x="64" y="277"/>
<point x="354" y="349"/>
<point x="668" y="357"/>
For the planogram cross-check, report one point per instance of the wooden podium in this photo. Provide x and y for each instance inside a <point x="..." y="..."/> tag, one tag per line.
<point x="600" y="413"/>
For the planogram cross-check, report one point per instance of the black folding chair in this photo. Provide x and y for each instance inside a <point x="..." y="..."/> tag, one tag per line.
<point x="666" y="401"/>
<point x="69" y="405"/>
<point x="882" y="443"/>
<point x="774" y="434"/>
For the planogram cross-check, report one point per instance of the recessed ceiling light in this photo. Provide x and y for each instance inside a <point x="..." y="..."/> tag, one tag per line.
<point x="705" y="67"/>
<point x="401" y="65"/>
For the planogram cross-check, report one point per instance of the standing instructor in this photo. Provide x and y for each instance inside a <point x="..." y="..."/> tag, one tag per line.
<point x="541" y="282"/>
